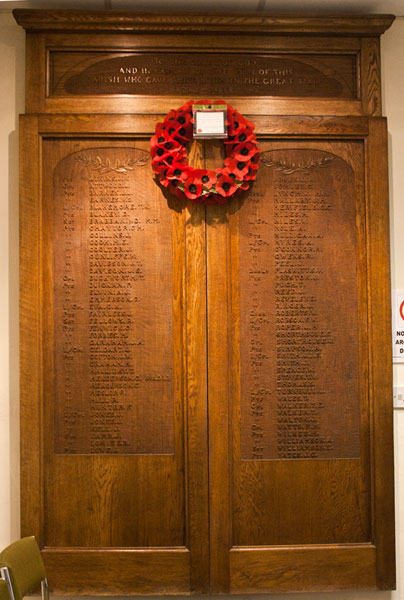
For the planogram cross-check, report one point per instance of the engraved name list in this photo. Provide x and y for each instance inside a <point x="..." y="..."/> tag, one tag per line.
<point x="112" y="307"/>
<point x="298" y="309"/>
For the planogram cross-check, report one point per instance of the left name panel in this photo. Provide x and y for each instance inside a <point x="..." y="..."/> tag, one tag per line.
<point x="112" y="303"/>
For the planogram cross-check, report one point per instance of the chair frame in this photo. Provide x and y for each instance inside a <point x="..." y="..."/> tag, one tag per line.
<point x="5" y="574"/>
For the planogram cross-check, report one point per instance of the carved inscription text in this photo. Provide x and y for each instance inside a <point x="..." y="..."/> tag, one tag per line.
<point x="298" y="304"/>
<point x="216" y="73"/>
<point x="113" y="348"/>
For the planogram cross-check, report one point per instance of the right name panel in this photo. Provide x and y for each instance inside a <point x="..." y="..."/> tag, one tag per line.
<point x="303" y="358"/>
<point x="310" y="423"/>
<point x="299" y="268"/>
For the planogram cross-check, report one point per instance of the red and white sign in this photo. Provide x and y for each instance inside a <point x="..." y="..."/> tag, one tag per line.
<point x="398" y="325"/>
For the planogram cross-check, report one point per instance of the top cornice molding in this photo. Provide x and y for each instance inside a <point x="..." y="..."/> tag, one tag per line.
<point x="108" y="21"/>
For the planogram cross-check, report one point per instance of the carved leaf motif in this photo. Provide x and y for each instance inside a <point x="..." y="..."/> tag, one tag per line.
<point x="95" y="162"/>
<point x="288" y="168"/>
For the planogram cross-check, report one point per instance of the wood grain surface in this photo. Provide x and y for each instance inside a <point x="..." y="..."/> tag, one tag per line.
<point x="279" y="65"/>
<point x="87" y="73"/>
<point x="152" y="497"/>
<point x="190" y="503"/>
<point x="43" y="20"/>
<point x="270" y="519"/>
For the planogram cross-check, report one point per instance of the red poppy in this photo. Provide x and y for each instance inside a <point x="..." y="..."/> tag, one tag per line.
<point x="164" y="148"/>
<point x="205" y="177"/>
<point x="184" y="116"/>
<point x="156" y="164"/>
<point x="243" y="135"/>
<point x="162" y="172"/>
<point x="182" y="132"/>
<point x="256" y="159"/>
<point x="235" y="121"/>
<point x="251" y="175"/>
<point x="172" y="115"/>
<point x="160" y="137"/>
<point x="229" y="173"/>
<point x="225" y="185"/>
<point x="166" y="161"/>
<point x="170" y="127"/>
<point x="192" y="188"/>
<point x="179" y="171"/>
<point x="238" y="167"/>
<point x="244" y="151"/>
<point x="159" y="127"/>
<point x="170" y="159"/>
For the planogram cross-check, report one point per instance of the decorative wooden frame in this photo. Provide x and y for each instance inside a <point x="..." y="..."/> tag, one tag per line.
<point x="53" y="31"/>
<point x="209" y="561"/>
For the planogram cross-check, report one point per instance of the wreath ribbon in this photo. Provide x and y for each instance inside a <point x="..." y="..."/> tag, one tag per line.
<point x="204" y="186"/>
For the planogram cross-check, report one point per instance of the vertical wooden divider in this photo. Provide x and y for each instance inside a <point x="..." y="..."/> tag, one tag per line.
<point x="30" y="328"/>
<point x="197" y="409"/>
<point x="218" y="385"/>
<point x="380" y="359"/>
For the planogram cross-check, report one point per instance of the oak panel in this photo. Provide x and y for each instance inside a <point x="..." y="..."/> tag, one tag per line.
<point x="379" y="353"/>
<point x="102" y="571"/>
<point x="277" y="538"/>
<point x="85" y="73"/>
<point x="94" y="70"/>
<point x="74" y="20"/>
<point x="297" y="280"/>
<point x="30" y="333"/>
<point x="85" y="369"/>
<point x="371" y="77"/>
<point x="127" y="503"/>
<point x="306" y="500"/>
<point x="159" y="517"/>
<point x="290" y="569"/>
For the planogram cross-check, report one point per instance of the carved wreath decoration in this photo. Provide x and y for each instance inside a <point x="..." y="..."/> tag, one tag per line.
<point x="204" y="186"/>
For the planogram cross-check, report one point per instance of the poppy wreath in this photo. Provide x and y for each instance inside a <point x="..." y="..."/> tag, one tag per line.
<point x="204" y="186"/>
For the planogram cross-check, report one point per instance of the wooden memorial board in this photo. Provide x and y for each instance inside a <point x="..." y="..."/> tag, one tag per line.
<point x="205" y="392"/>
<point x="299" y="307"/>
<point x="290" y="350"/>
<point x="98" y="61"/>
<point x="113" y="320"/>
<point x="116" y="481"/>
<point x="97" y="74"/>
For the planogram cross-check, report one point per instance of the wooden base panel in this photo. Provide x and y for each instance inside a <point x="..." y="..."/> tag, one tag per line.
<point x="312" y="568"/>
<point x="118" y="571"/>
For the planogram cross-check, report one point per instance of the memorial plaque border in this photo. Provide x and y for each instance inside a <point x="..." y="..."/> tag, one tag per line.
<point x="255" y="569"/>
<point x="174" y="569"/>
<point x="265" y="71"/>
<point x="357" y="34"/>
<point x="209" y="561"/>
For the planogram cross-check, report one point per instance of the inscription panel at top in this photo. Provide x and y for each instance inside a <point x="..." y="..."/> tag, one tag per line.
<point x="74" y="73"/>
<point x="299" y="309"/>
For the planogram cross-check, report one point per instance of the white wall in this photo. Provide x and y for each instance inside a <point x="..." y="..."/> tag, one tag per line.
<point x="393" y="91"/>
<point x="12" y="49"/>
<point x="11" y="104"/>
